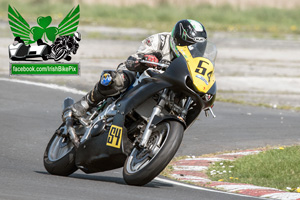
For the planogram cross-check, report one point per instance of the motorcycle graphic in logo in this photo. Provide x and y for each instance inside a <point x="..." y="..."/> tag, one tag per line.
<point x="65" y="38"/>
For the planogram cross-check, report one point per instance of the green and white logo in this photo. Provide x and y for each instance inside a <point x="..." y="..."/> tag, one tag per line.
<point x="197" y="26"/>
<point x="20" y="28"/>
<point x="64" y="42"/>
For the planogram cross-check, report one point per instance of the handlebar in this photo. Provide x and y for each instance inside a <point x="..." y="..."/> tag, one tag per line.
<point x="162" y="65"/>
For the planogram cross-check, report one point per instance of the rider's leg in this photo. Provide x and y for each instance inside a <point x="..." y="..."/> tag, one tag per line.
<point x="111" y="84"/>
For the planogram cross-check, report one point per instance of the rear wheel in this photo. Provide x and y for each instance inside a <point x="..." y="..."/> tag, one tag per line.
<point x="143" y="165"/>
<point x="68" y="58"/>
<point x="59" y="156"/>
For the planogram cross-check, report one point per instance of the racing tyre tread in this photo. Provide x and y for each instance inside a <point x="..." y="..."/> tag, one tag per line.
<point x="63" y="166"/>
<point x="160" y="160"/>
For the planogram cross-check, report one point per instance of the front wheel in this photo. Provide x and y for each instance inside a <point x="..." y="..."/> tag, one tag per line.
<point x="60" y="53"/>
<point x="59" y="156"/>
<point x="143" y="165"/>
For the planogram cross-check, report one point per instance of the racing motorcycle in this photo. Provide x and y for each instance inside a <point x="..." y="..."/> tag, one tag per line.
<point x="62" y="49"/>
<point x="141" y="130"/>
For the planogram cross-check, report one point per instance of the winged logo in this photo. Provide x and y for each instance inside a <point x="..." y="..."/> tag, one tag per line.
<point x="20" y="28"/>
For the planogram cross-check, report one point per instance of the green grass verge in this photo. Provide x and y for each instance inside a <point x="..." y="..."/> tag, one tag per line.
<point x="276" y="168"/>
<point x="249" y="103"/>
<point x="163" y="18"/>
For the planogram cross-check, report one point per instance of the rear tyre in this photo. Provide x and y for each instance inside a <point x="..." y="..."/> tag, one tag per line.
<point x="143" y="165"/>
<point x="59" y="156"/>
<point x="68" y="58"/>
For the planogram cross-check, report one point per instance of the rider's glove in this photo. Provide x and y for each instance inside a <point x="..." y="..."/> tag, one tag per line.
<point x="133" y="64"/>
<point x="150" y="58"/>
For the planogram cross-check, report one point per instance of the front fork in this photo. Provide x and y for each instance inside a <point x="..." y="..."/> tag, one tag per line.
<point x="156" y="111"/>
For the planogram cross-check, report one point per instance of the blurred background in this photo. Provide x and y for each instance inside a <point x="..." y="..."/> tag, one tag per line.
<point x="258" y="41"/>
<point x="272" y="16"/>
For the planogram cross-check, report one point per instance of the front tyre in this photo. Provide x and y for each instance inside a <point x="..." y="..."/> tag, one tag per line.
<point x="60" y="53"/>
<point x="59" y="156"/>
<point x="143" y="165"/>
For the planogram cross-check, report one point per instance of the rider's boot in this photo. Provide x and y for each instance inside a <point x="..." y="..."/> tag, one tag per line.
<point x="111" y="83"/>
<point x="88" y="101"/>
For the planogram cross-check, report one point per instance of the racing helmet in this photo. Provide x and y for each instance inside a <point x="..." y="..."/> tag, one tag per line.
<point x="77" y="36"/>
<point x="187" y="32"/>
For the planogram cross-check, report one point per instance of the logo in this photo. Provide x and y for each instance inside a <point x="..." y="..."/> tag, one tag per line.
<point x="20" y="28"/>
<point x="202" y="79"/>
<point x="64" y="38"/>
<point x="149" y="41"/>
<point x="106" y="79"/>
<point x="114" y="136"/>
<point x="197" y="26"/>
<point x="199" y="39"/>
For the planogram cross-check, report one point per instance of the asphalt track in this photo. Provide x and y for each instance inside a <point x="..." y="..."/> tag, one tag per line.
<point x="29" y="114"/>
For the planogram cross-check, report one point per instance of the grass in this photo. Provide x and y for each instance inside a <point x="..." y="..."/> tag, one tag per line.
<point x="249" y="103"/>
<point x="162" y="18"/>
<point x="276" y="168"/>
<point x="97" y="35"/>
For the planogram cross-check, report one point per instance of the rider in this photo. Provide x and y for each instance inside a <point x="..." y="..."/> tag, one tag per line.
<point x="67" y="40"/>
<point x="159" y="47"/>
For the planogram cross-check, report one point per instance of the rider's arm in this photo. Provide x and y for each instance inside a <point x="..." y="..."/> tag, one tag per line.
<point x="149" y="46"/>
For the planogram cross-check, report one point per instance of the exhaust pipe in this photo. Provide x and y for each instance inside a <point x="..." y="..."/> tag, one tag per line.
<point x="67" y="117"/>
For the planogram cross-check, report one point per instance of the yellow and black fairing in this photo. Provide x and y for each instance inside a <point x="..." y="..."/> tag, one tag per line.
<point x="191" y="74"/>
<point x="178" y="77"/>
<point x="201" y="71"/>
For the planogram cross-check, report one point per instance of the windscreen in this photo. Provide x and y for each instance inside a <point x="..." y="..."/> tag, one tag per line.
<point x="204" y="49"/>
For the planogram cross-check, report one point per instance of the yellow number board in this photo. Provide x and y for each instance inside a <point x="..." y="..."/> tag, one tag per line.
<point x="114" y="136"/>
<point x="201" y="70"/>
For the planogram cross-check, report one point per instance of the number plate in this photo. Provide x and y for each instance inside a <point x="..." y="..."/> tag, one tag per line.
<point x="114" y="136"/>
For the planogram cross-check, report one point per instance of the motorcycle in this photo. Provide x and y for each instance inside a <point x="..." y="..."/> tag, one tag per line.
<point x="142" y="129"/>
<point x="62" y="49"/>
<point x="20" y="51"/>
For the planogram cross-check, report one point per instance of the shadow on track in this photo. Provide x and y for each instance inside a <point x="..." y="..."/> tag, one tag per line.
<point x="110" y="179"/>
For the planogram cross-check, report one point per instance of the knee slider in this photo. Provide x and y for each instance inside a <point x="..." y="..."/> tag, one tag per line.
<point x="112" y="82"/>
